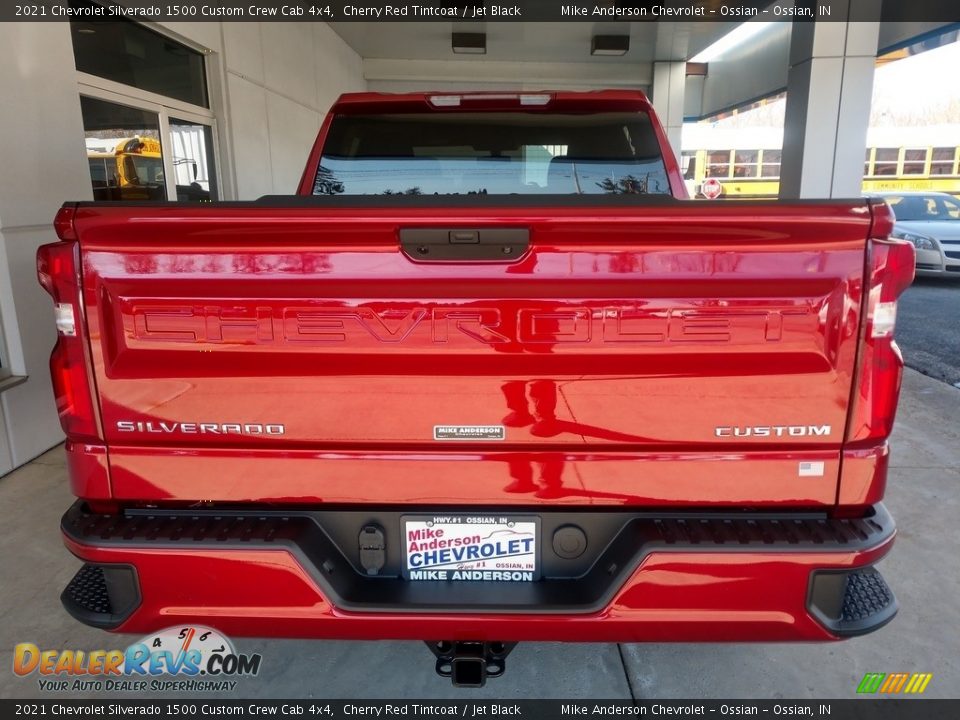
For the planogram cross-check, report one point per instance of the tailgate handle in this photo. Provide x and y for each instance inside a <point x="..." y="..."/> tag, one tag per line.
<point x="464" y="236"/>
<point x="464" y="244"/>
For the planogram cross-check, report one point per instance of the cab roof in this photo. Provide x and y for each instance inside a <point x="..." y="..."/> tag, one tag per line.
<point x="527" y="100"/>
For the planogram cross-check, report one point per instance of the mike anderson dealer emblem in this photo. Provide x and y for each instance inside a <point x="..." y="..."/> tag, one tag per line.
<point x="469" y="432"/>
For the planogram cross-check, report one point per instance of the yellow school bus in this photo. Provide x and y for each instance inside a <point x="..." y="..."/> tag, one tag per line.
<point x="126" y="168"/>
<point x="746" y="161"/>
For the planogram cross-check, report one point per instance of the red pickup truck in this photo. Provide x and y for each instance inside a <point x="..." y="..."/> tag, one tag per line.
<point x="488" y="378"/>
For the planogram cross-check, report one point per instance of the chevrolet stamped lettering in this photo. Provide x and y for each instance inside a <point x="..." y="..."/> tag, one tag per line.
<point x="229" y="323"/>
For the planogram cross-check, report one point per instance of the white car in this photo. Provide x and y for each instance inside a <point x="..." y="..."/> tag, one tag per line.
<point x="931" y="221"/>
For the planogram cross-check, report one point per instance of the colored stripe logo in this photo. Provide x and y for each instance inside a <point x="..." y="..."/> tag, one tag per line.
<point x="894" y="683"/>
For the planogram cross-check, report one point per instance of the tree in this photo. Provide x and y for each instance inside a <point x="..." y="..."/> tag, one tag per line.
<point x="326" y="183"/>
<point x="627" y="185"/>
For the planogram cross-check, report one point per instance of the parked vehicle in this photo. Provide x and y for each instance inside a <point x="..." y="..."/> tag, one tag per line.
<point x="488" y="379"/>
<point x="131" y="169"/>
<point x="126" y="168"/>
<point x="931" y="222"/>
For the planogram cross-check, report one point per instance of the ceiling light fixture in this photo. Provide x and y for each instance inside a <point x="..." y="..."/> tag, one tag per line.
<point x="469" y="43"/>
<point x="610" y="44"/>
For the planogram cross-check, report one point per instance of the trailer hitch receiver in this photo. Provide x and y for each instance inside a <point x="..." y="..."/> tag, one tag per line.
<point x="469" y="663"/>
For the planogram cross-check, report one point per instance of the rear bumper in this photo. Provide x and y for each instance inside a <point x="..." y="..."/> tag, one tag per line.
<point x="651" y="578"/>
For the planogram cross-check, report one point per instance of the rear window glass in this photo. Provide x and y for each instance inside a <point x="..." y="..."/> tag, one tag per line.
<point x="491" y="153"/>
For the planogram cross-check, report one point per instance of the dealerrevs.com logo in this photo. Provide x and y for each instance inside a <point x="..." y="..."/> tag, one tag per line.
<point x="183" y="658"/>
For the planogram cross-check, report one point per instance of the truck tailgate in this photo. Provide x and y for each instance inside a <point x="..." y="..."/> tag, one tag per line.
<point x="249" y="351"/>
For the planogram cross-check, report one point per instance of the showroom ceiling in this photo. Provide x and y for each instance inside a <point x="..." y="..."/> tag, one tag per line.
<point x="531" y="42"/>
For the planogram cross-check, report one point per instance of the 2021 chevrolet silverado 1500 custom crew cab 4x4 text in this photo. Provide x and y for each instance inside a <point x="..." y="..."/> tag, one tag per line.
<point x="487" y="379"/>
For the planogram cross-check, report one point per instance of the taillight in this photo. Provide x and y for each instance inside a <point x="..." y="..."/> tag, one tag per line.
<point x="890" y="269"/>
<point x="58" y="267"/>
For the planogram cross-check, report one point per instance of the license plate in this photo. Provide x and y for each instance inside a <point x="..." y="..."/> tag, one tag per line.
<point x="487" y="548"/>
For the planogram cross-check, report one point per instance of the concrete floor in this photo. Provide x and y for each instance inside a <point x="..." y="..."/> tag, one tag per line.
<point x="926" y="320"/>
<point x="923" y="569"/>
